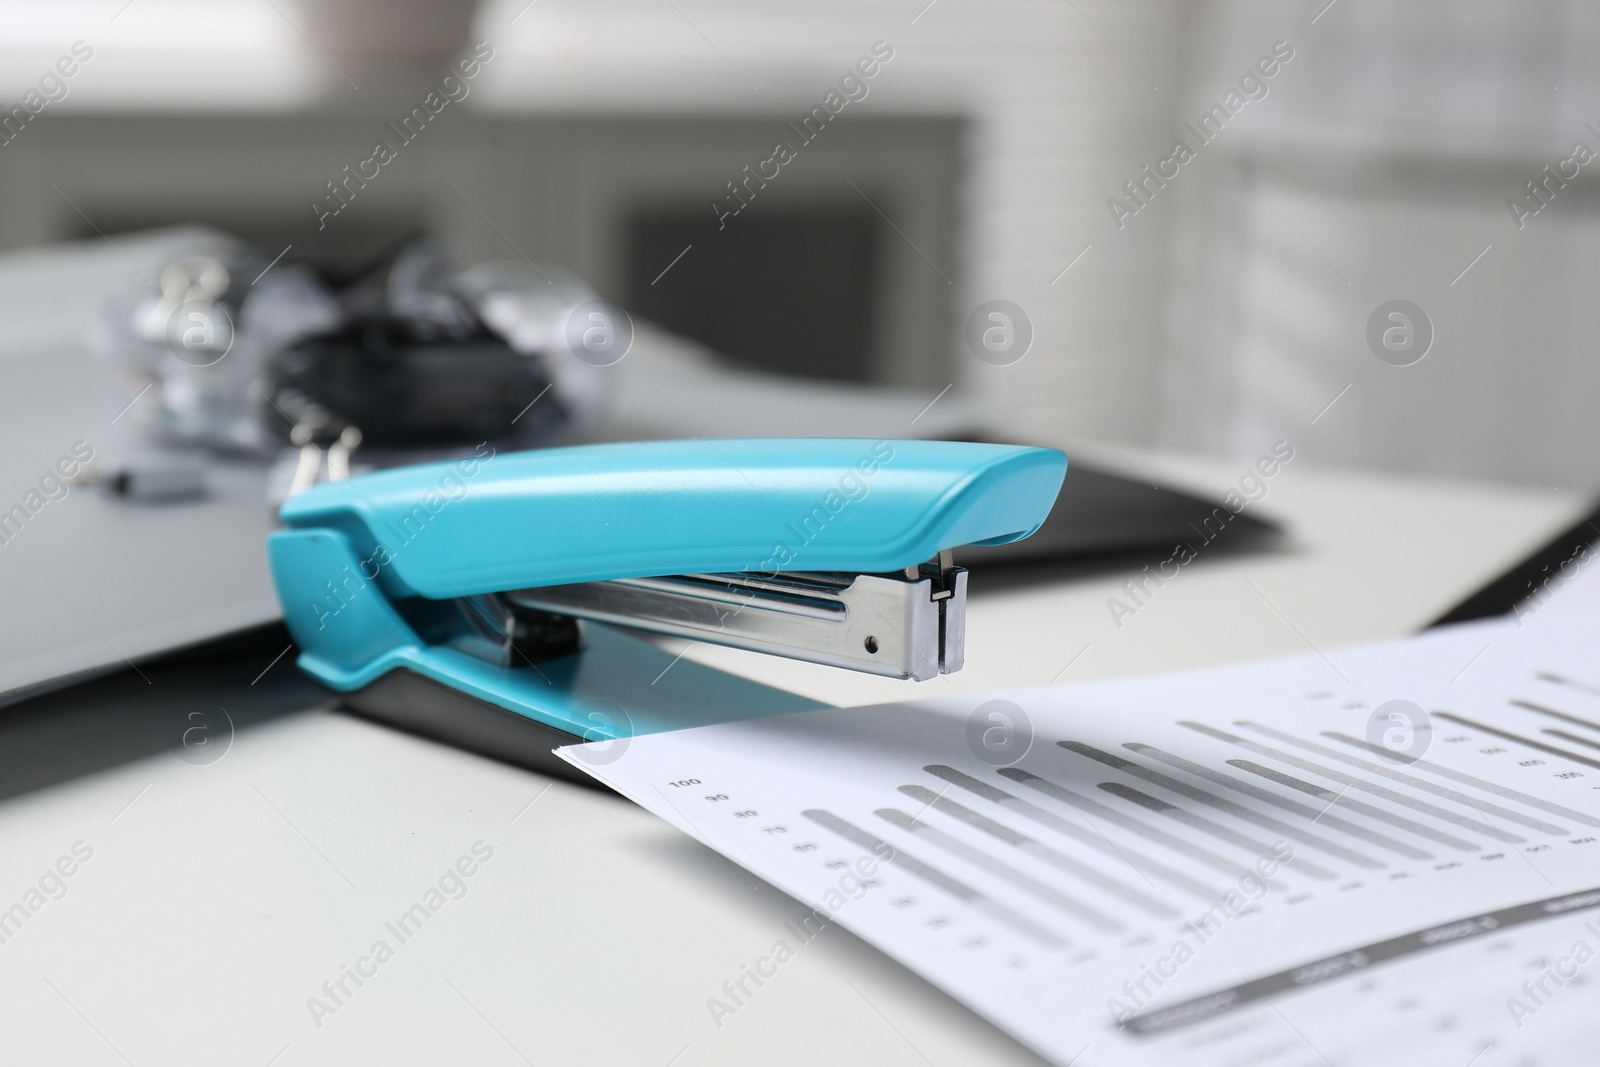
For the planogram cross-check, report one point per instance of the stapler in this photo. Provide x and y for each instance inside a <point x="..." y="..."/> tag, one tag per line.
<point x="486" y="601"/>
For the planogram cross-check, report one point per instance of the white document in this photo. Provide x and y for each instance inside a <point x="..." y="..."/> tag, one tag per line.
<point x="1263" y="864"/>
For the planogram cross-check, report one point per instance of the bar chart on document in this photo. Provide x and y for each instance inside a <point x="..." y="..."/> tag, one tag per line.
<point x="1387" y="855"/>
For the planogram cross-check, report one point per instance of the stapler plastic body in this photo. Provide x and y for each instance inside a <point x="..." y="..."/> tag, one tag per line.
<point x="447" y="598"/>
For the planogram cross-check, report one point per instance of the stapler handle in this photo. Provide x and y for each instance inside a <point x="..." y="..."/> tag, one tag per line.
<point x="445" y="598"/>
<point x="492" y="523"/>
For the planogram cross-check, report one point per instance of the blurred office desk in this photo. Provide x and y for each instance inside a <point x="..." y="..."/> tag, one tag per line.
<point x="105" y="582"/>
<point x="223" y="892"/>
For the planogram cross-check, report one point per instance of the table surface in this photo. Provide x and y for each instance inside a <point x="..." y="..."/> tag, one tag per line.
<point x="222" y="893"/>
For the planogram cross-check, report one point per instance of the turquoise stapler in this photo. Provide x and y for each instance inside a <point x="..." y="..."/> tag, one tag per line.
<point x="486" y="601"/>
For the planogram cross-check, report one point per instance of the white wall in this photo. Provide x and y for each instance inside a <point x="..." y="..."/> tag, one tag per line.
<point x="1379" y="168"/>
<point x="1062" y="98"/>
<point x="1228" y="313"/>
<point x="1058" y="113"/>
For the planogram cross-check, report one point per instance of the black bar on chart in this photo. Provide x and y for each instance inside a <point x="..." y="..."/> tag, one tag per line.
<point x="1039" y="850"/>
<point x="1238" y="811"/>
<point x="1519" y="739"/>
<point x="1553" y="732"/>
<point x="1359" y="806"/>
<point x="1353" y="782"/>
<point x="1087" y="806"/>
<point x="978" y="858"/>
<point x="1467" y="779"/>
<point x="1142" y="865"/>
<point x="1546" y="676"/>
<point x="1266" y="796"/>
<point x="1554" y="714"/>
<point x="1216" y="830"/>
<point x="933" y="876"/>
<point x="1482" y="807"/>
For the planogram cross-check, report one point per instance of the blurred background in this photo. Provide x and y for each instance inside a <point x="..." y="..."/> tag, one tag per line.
<point x="249" y="244"/>
<point x="1228" y="311"/>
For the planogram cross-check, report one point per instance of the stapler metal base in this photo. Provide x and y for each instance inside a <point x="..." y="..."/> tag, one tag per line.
<point x="909" y="624"/>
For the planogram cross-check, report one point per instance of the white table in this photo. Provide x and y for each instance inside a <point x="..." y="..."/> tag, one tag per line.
<point x="219" y="898"/>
